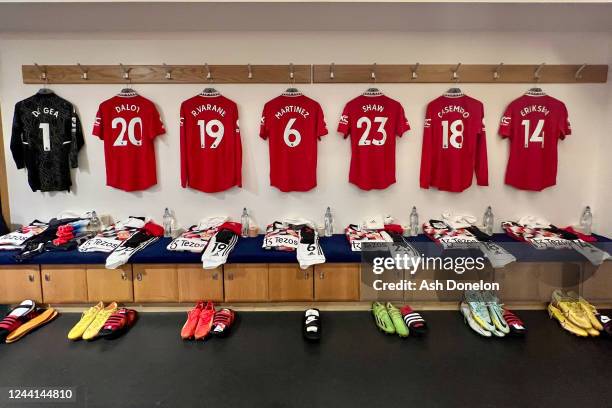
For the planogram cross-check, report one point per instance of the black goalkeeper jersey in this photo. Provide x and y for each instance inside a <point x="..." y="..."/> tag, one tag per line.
<point x="46" y="140"/>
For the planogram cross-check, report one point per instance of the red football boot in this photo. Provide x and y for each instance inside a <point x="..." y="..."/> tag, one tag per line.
<point x="118" y="323"/>
<point x="189" y="328"/>
<point x="18" y="316"/>
<point x="205" y="321"/>
<point x="517" y="328"/>
<point x="222" y="323"/>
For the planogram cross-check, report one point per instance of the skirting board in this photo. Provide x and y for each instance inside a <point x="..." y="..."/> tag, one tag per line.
<point x="300" y="306"/>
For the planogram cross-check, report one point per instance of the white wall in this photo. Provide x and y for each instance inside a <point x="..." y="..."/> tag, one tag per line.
<point x="603" y="215"/>
<point x="584" y="165"/>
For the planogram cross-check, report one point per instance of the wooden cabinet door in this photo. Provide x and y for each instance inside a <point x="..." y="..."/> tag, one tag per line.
<point x="110" y="285"/>
<point x="336" y="282"/>
<point x="64" y="283"/>
<point x="195" y="283"/>
<point x="18" y="283"/>
<point x="155" y="283"/>
<point x="246" y="282"/>
<point x="287" y="282"/>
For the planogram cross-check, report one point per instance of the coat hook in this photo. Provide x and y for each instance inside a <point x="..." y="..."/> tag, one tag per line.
<point x="84" y="72"/>
<point x="250" y="69"/>
<point x="414" y="71"/>
<point x="579" y="72"/>
<point x="332" y="74"/>
<point x="168" y="70"/>
<point x="373" y="72"/>
<point x="497" y="73"/>
<point x="43" y="71"/>
<point x="456" y="72"/>
<point x="291" y="73"/>
<point x="537" y="74"/>
<point x="208" y="74"/>
<point x="126" y="71"/>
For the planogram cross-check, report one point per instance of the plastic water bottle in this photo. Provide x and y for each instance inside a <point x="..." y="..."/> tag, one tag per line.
<point x="168" y="221"/>
<point x="329" y="223"/>
<point x="586" y="221"/>
<point x="414" y="222"/>
<point x="94" y="222"/>
<point x="488" y="221"/>
<point x="244" y="220"/>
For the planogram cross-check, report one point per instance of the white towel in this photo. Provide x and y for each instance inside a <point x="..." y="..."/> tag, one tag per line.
<point x="374" y="223"/>
<point x="533" y="221"/>
<point x="456" y="221"/>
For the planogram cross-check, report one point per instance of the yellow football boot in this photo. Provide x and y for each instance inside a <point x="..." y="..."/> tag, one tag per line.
<point x="87" y="318"/>
<point x="92" y="330"/>
<point x="565" y="323"/>
<point x="589" y="309"/>
<point x="571" y="309"/>
<point x="593" y="332"/>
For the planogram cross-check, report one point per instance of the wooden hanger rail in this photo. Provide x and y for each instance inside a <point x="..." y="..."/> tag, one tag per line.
<point x="322" y="74"/>
<point x="462" y="73"/>
<point x="168" y="74"/>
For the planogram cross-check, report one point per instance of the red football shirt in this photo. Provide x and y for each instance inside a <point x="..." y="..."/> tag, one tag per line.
<point x="454" y="144"/>
<point x="293" y="124"/>
<point x="128" y="123"/>
<point x="373" y="121"/>
<point x="534" y="124"/>
<point x="211" y="151"/>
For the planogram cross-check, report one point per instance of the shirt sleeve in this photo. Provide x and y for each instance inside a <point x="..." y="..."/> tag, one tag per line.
<point x="402" y="125"/>
<point x="426" y="152"/>
<point x="505" y="125"/>
<point x="76" y="138"/>
<point x="158" y="125"/>
<point x="264" y="128"/>
<point x="98" y="127"/>
<point x="344" y="126"/>
<point x="481" y="165"/>
<point x="321" y="125"/>
<point x="17" y="142"/>
<point x="238" y="158"/>
<point x="564" y="123"/>
<point x="184" y="153"/>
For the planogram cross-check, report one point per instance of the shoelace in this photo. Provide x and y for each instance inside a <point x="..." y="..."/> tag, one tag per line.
<point x="576" y="308"/>
<point x="89" y="312"/>
<point x="378" y="313"/>
<point x="394" y="313"/>
<point x="480" y="308"/>
<point x="205" y="317"/>
<point x="497" y="308"/>
<point x="101" y="317"/>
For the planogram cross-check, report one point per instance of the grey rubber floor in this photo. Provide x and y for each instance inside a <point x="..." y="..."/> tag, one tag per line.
<point x="267" y="364"/>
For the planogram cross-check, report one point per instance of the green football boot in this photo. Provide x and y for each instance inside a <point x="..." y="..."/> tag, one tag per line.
<point x="398" y="322"/>
<point x="382" y="318"/>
